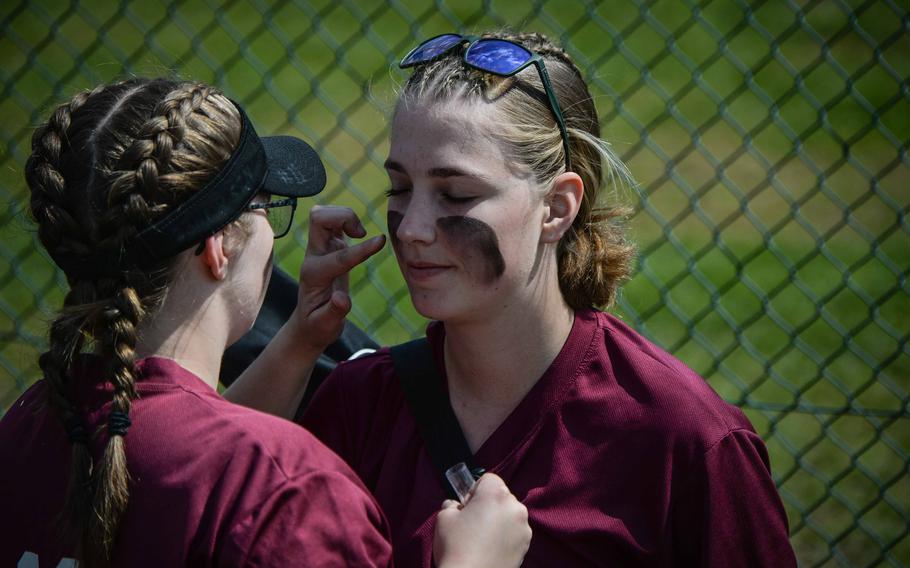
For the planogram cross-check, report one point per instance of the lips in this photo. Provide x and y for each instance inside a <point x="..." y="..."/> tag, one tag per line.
<point x="423" y="270"/>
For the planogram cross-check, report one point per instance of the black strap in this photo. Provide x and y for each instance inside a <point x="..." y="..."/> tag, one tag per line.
<point x="436" y="422"/>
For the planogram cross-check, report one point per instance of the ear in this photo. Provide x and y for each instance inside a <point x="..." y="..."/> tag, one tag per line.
<point x="214" y="257"/>
<point x="561" y="206"/>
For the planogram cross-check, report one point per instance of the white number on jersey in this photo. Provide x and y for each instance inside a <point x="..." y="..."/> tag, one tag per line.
<point x="30" y="560"/>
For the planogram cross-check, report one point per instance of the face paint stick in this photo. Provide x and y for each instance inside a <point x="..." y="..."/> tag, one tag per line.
<point x="393" y="221"/>
<point x="461" y="480"/>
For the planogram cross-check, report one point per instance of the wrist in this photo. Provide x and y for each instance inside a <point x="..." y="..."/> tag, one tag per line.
<point x="297" y="343"/>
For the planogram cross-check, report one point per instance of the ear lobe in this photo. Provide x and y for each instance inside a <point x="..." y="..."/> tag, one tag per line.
<point x="214" y="257"/>
<point x="562" y="205"/>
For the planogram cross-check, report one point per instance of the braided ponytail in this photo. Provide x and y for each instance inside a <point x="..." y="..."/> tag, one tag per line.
<point x="61" y="233"/>
<point x="107" y="164"/>
<point x="117" y="335"/>
<point x="594" y="257"/>
<point x="66" y="337"/>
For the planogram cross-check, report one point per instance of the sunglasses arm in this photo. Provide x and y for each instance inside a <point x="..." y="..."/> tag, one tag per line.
<point x="554" y="106"/>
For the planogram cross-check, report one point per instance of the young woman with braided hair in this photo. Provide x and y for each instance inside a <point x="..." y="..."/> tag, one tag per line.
<point x="622" y="455"/>
<point x="160" y="203"/>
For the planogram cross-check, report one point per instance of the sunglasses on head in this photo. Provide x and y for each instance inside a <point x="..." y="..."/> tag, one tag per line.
<point x="497" y="56"/>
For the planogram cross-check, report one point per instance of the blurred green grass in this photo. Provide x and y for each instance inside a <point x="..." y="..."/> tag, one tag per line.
<point x="769" y="141"/>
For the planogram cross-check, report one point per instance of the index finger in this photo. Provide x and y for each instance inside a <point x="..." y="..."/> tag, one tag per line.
<point x="322" y="269"/>
<point x="329" y="221"/>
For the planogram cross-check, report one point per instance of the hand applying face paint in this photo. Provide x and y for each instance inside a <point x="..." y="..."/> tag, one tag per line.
<point x="318" y="319"/>
<point x="323" y="301"/>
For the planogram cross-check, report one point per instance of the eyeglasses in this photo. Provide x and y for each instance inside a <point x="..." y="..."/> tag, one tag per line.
<point x="497" y="56"/>
<point x="280" y="214"/>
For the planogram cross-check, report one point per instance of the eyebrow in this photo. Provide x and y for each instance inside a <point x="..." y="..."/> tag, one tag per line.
<point x="446" y="172"/>
<point x="394" y="166"/>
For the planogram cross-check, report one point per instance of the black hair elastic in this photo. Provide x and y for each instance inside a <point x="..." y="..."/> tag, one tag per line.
<point x="118" y="423"/>
<point x="75" y="430"/>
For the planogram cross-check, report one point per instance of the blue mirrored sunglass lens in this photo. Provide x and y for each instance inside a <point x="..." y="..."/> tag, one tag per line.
<point x="497" y="56"/>
<point x="432" y="48"/>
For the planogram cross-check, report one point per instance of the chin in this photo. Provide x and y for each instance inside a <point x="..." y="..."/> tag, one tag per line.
<point x="461" y="301"/>
<point x="448" y="307"/>
<point x="434" y="305"/>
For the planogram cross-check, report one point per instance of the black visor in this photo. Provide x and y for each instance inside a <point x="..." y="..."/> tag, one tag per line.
<point x="277" y="165"/>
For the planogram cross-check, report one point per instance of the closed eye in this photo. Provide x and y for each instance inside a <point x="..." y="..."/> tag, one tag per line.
<point x="456" y="199"/>
<point x="393" y="192"/>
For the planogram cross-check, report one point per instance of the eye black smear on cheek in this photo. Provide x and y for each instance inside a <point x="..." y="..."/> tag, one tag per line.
<point x="477" y="242"/>
<point x="393" y="221"/>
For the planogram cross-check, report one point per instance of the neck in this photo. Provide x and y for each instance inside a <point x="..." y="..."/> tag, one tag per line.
<point x="494" y="362"/>
<point x="190" y="329"/>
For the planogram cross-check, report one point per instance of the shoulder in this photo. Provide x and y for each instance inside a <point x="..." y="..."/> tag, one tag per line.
<point x="28" y="415"/>
<point x="358" y="410"/>
<point x="198" y="419"/>
<point x="361" y="380"/>
<point x="29" y="401"/>
<point x="268" y="482"/>
<point x="659" y="390"/>
<point x="297" y="499"/>
<point x="19" y="426"/>
<point x="185" y="434"/>
<point x="367" y="368"/>
<point x="286" y="448"/>
<point x="375" y="373"/>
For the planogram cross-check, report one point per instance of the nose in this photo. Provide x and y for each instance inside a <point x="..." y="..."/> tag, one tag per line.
<point x="417" y="222"/>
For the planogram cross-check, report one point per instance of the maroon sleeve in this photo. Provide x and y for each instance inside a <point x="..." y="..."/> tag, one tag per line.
<point x="317" y="519"/>
<point x="730" y="513"/>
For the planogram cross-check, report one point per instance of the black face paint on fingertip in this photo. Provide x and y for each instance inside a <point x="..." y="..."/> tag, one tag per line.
<point x="476" y="242"/>
<point x="393" y="221"/>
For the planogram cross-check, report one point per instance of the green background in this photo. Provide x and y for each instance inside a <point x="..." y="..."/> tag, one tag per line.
<point x="769" y="140"/>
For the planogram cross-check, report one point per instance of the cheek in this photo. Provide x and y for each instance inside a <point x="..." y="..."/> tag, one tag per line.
<point x="471" y="239"/>
<point x="476" y="243"/>
<point x="267" y="269"/>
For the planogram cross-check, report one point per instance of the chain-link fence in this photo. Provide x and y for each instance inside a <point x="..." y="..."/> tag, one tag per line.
<point x="769" y="138"/>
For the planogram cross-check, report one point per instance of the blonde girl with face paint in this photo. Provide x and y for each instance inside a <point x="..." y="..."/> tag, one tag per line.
<point x="506" y="231"/>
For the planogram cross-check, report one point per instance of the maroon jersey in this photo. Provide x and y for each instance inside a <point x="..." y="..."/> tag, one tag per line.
<point x="622" y="455"/>
<point x="212" y="483"/>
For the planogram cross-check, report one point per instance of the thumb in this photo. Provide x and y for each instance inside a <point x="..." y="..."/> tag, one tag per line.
<point x="450" y="504"/>
<point x="329" y="314"/>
